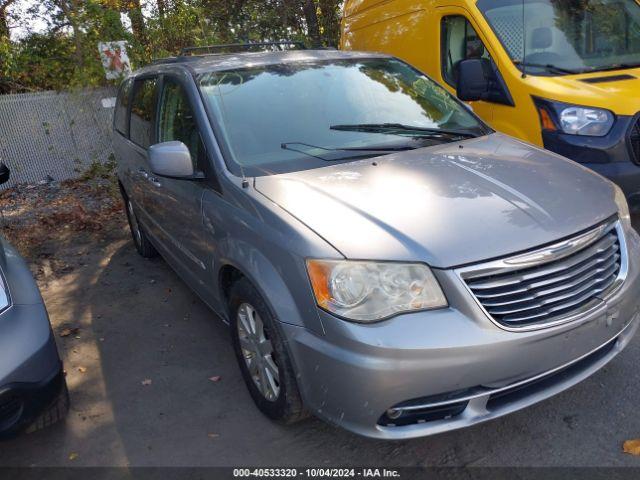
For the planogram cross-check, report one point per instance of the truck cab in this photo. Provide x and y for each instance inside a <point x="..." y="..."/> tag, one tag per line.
<point x="558" y="74"/>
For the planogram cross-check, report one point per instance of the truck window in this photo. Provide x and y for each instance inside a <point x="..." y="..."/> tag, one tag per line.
<point x="459" y="42"/>
<point x="567" y="36"/>
<point x="142" y="107"/>
<point x="122" y="108"/>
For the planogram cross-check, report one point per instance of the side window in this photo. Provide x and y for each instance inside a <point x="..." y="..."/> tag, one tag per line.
<point x="142" y="107"/>
<point x="176" y="122"/>
<point x="459" y="42"/>
<point x="122" y="106"/>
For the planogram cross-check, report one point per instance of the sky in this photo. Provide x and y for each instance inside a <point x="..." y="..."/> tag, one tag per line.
<point x="21" y="29"/>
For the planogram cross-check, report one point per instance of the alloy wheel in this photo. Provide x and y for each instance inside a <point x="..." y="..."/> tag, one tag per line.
<point x="258" y="352"/>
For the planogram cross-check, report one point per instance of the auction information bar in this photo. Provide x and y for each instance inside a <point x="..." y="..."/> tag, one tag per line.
<point x="318" y="472"/>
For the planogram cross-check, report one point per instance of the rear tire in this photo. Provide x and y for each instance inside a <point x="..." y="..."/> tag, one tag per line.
<point x="262" y="356"/>
<point x="140" y="238"/>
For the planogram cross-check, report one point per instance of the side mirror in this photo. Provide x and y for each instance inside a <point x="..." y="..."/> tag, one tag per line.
<point x="473" y="83"/>
<point x="172" y="160"/>
<point x="5" y="173"/>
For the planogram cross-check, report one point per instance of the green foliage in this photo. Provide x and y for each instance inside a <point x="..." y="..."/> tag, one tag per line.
<point x="103" y="171"/>
<point x="66" y="55"/>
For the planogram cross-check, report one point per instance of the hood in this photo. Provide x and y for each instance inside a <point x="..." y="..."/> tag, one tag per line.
<point x="615" y="90"/>
<point x="446" y="205"/>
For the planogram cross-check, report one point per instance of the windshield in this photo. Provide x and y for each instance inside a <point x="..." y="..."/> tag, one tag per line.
<point x="567" y="36"/>
<point x="302" y="115"/>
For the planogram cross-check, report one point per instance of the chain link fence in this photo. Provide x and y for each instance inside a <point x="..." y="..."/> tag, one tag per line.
<point x="54" y="135"/>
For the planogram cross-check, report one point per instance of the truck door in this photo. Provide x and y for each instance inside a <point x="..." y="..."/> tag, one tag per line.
<point x="460" y="41"/>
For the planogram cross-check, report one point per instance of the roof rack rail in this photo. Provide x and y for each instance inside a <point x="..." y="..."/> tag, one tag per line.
<point x="242" y="46"/>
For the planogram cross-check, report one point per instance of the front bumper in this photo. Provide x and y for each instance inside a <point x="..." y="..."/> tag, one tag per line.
<point x="22" y="403"/>
<point x="452" y="368"/>
<point x="31" y="376"/>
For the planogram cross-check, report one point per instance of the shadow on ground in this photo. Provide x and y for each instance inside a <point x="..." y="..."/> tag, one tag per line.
<point x="139" y="369"/>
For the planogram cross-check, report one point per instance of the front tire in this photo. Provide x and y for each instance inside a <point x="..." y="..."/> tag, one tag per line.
<point x="54" y="413"/>
<point x="262" y="356"/>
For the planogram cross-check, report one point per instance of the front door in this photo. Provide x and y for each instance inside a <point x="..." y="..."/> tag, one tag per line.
<point x="175" y="205"/>
<point x="460" y="41"/>
<point x="140" y="128"/>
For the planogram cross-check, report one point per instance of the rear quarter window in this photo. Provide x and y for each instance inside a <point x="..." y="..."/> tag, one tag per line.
<point x="142" y="110"/>
<point x="122" y="108"/>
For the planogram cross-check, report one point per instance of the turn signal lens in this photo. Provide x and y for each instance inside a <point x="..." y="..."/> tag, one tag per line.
<point x="545" y="119"/>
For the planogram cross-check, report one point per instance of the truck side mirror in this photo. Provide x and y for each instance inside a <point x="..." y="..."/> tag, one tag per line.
<point x="5" y="173"/>
<point x="473" y="83"/>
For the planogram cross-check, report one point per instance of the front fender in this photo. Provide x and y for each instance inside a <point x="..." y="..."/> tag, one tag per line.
<point x="292" y="301"/>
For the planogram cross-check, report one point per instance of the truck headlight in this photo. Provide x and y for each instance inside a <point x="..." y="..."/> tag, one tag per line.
<point x="370" y="291"/>
<point x="585" y="121"/>
<point x="623" y="206"/>
<point x="574" y="119"/>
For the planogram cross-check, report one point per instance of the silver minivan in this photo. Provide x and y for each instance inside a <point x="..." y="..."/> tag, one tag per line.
<point x="384" y="259"/>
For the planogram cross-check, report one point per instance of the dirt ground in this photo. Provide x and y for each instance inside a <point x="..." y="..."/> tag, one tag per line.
<point x="139" y="350"/>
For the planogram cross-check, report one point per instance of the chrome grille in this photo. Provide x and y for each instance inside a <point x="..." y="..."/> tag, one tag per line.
<point x="556" y="282"/>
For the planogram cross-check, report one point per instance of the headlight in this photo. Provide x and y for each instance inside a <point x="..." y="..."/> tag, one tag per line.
<point x="623" y="206"/>
<point x="585" y="121"/>
<point x="371" y="291"/>
<point x="574" y="119"/>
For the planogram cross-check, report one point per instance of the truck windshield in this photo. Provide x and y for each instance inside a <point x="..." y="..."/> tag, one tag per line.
<point x="299" y="115"/>
<point x="567" y="36"/>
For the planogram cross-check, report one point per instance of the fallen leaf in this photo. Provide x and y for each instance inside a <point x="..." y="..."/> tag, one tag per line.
<point x="146" y="382"/>
<point x="215" y="378"/>
<point x="632" y="447"/>
<point x="67" y="332"/>
<point x="82" y="369"/>
<point x="73" y="456"/>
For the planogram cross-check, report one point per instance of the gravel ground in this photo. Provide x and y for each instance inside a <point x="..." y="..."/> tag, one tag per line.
<point x="139" y="350"/>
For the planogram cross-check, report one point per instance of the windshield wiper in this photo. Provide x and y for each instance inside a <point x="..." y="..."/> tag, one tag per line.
<point x="548" y="67"/>
<point x="400" y="129"/>
<point x="359" y="152"/>
<point x="616" y="66"/>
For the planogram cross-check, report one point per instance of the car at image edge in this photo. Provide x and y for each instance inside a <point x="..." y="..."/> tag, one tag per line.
<point x="33" y="389"/>
<point x="385" y="260"/>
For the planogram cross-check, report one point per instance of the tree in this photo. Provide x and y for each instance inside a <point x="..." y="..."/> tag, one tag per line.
<point x="66" y="54"/>
<point x="162" y="7"/>
<point x="313" y="27"/>
<point x="4" y="20"/>
<point x="134" y="10"/>
<point x="71" y="10"/>
<point x="330" y="21"/>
